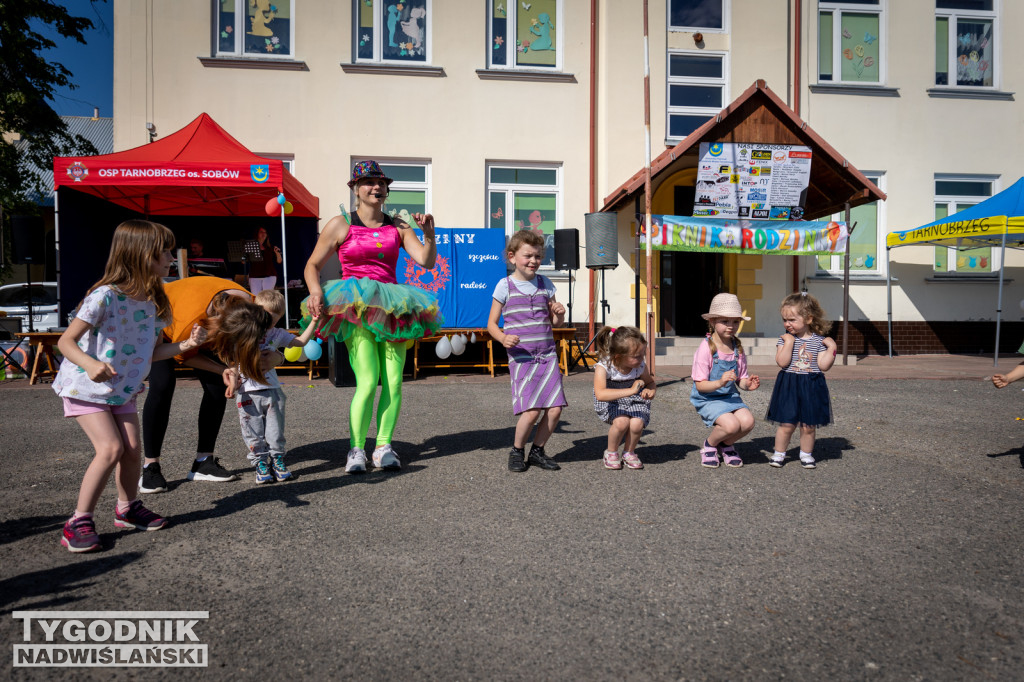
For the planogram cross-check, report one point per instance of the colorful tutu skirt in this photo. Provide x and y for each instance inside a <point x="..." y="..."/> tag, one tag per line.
<point x="393" y="312"/>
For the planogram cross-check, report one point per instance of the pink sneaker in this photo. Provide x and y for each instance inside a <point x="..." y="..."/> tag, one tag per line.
<point x="632" y="461"/>
<point x="612" y="460"/>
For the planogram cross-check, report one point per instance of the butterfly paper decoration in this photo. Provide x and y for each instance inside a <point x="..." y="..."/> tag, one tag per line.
<point x="868" y="38"/>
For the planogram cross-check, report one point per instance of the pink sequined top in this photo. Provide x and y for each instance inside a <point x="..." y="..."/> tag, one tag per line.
<point x="370" y="252"/>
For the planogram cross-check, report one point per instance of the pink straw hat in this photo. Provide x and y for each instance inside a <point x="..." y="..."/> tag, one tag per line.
<point x="725" y="305"/>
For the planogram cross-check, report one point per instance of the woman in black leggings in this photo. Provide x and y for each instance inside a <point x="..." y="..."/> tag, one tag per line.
<point x="235" y="327"/>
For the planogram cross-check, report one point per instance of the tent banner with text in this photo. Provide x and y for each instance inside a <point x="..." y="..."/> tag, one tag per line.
<point x="727" y="235"/>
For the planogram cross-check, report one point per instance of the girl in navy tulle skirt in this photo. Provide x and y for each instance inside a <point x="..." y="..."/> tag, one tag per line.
<point x="800" y="396"/>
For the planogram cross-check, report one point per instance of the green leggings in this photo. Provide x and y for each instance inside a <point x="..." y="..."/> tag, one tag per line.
<point x="371" y="359"/>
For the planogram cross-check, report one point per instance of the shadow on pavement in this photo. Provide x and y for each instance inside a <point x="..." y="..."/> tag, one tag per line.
<point x="60" y="584"/>
<point x="17" y="529"/>
<point x="1019" y="452"/>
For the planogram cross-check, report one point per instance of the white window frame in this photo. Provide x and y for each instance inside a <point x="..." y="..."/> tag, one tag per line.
<point x="838" y="8"/>
<point x="400" y="184"/>
<point x="287" y="159"/>
<point x="687" y="80"/>
<point x="511" y="188"/>
<point x="837" y="260"/>
<point x="378" y="35"/>
<point x="726" y="7"/>
<point x="951" y="201"/>
<point x="242" y="25"/>
<point x="509" y="45"/>
<point x="954" y="15"/>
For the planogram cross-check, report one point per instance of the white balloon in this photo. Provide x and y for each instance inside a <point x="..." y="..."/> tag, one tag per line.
<point x="302" y="357"/>
<point x="472" y="337"/>
<point x="443" y="348"/>
<point x="458" y="344"/>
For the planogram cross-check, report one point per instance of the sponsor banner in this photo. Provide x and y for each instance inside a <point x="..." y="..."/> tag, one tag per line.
<point x="94" y="172"/>
<point x="110" y="639"/>
<point x="758" y="181"/>
<point x="469" y="264"/>
<point x="679" y="233"/>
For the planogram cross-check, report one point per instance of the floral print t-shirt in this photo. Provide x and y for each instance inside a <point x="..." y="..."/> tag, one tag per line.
<point x="124" y="333"/>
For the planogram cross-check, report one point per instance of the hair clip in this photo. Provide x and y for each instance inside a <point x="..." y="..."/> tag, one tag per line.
<point x="803" y="293"/>
<point x="614" y="329"/>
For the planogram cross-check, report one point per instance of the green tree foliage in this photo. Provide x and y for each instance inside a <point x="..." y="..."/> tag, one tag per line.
<point x="33" y="132"/>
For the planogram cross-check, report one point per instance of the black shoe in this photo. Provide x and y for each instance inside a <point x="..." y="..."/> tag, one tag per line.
<point x="538" y="458"/>
<point x="210" y="470"/>
<point x="517" y="460"/>
<point x="152" y="481"/>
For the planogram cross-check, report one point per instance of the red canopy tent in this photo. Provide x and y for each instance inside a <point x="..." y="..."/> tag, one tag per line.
<point x="199" y="171"/>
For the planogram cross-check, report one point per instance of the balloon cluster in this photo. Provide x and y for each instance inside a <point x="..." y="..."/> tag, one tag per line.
<point x="276" y="204"/>
<point x="311" y="351"/>
<point x="454" y="346"/>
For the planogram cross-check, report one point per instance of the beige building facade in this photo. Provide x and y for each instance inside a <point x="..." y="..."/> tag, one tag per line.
<point x="496" y="115"/>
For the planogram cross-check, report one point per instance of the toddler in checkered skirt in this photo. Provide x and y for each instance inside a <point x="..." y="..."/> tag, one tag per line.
<point x="623" y="390"/>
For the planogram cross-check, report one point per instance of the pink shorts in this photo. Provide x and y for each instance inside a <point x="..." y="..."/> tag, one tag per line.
<point x="76" y="408"/>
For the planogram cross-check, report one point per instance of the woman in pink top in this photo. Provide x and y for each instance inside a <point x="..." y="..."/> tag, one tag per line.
<point x="368" y="309"/>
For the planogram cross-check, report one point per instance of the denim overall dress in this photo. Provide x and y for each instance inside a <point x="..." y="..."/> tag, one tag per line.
<point x="711" y="406"/>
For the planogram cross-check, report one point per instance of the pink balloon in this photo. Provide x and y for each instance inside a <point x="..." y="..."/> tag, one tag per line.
<point x="273" y="208"/>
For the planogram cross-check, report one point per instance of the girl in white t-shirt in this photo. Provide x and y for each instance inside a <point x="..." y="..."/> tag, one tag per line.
<point x="108" y="350"/>
<point x="623" y="390"/>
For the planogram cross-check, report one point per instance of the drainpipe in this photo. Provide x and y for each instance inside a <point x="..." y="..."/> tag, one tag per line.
<point x="593" y="150"/>
<point x="797" y="42"/>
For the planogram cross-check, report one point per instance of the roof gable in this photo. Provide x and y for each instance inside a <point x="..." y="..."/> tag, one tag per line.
<point x="759" y="115"/>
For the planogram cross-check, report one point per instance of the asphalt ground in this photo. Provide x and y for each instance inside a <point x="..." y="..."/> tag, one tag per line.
<point x="898" y="558"/>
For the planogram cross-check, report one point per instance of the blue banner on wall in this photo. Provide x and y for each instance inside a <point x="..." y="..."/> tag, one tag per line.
<point x="469" y="264"/>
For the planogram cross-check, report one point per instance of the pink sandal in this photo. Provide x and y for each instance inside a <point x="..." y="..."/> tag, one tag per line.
<point x="632" y="461"/>
<point x="731" y="457"/>
<point x="709" y="457"/>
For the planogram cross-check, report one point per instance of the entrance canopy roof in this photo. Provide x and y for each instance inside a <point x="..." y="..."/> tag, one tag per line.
<point x="199" y="170"/>
<point x="759" y="116"/>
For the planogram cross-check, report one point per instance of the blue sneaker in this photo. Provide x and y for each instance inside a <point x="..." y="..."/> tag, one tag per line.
<point x="281" y="472"/>
<point x="263" y="474"/>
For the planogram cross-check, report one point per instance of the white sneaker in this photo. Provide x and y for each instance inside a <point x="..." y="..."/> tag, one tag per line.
<point x="807" y="462"/>
<point x="776" y="460"/>
<point x="356" y="461"/>
<point x="384" y="457"/>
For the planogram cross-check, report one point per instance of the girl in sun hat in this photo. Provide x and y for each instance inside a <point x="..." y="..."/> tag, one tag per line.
<point x="719" y="367"/>
<point x="368" y="309"/>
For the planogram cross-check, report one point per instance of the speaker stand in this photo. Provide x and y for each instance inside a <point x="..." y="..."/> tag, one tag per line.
<point x="574" y="343"/>
<point x="604" y="311"/>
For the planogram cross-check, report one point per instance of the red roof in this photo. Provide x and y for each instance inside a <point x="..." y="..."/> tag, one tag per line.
<point x="199" y="170"/>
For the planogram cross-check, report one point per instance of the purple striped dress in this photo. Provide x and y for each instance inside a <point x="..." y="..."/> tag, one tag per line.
<point x="533" y="362"/>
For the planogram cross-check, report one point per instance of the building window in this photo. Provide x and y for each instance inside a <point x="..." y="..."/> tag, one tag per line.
<point x="410" y="190"/>
<point x="850" y="39"/>
<point x="392" y="31"/>
<point x="953" y="194"/>
<point x="869" y="221"/>
<point x="525" y="35"/>
<point x="255" y="28"/>
<point x="692" y="15"/>
<point x="697" y="90"/>
<point x="965" y="42"/>
<point x="526" y="197"/>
